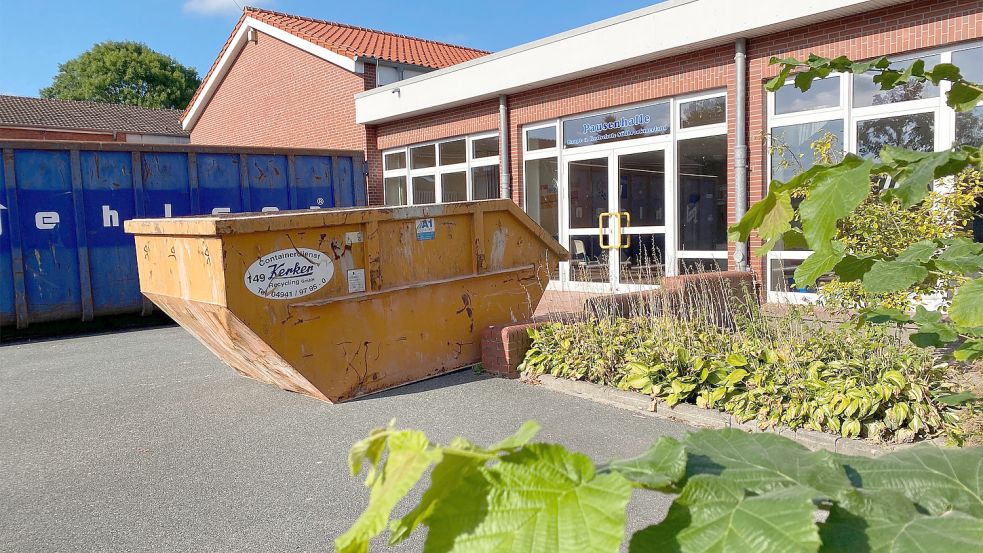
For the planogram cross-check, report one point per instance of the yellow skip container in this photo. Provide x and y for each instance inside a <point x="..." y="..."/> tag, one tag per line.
<point x="341" y="303"/>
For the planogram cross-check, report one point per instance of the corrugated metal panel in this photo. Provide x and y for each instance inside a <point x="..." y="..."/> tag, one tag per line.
<point x="63" y="252"/>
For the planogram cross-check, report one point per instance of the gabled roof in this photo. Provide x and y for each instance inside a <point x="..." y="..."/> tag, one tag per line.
<point x="20" y="111"/>
<point x="337" y="43"/>
<point x="350" y="41"/>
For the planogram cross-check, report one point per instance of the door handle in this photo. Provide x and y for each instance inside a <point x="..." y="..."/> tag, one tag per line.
<point x="602" y="228"/>
<point x="624" y="240"/>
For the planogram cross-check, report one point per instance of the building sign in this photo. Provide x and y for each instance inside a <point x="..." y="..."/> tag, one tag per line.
<point x="640" y="122"/>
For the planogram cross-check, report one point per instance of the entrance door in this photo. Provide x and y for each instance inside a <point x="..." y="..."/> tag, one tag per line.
<point x="615" y="219"/>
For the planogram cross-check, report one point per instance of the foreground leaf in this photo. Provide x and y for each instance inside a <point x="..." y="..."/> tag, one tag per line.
<point x="891" y="276"/>
<point x="539" y="499"/>
<point x="409" y="457"/>
<point x="887" y="522"/>
<point x="662" y="465"/>
<point x="715" y="515"/>
<point x="837" y="191"/>
<point x="967" y="304"/>
<point x="937" y="479"/>
<point x="762" y="462"/>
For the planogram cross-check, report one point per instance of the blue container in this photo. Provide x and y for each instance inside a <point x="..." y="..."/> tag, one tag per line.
<point x="63" y="252"/>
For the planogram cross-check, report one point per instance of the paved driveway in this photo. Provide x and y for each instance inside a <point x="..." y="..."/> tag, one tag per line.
<point x="143" y="441"/>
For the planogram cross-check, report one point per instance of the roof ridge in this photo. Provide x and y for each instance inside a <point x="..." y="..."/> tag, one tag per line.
<point x="357" y="28"/>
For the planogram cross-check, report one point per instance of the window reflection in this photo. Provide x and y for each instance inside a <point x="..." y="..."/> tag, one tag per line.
<point x="703" y="112"/>
<point x="792" y="146"/>
<point x="642" y="187"/>
<point x="588" y="189"/>
<point x="454" y="187"/>
<point x="395" y="190"/>
<point x="424" y="190"/>
<point x="914" y="132"/>
<point x="824" y="93"/>
<point x="485" y="182"/>
<point x="969" y="127"/>
<point x="868" y="93"/>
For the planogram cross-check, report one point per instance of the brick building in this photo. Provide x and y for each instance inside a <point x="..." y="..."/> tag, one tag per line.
<point x="23" y="118"/>
<point x="626" y="131"/>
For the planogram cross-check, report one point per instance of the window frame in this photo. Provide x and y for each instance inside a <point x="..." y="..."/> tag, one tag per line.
<point x="438" y="170"/>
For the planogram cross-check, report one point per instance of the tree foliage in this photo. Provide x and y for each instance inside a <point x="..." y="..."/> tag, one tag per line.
<point x="124" y="73"/>
<point x="735" y="492"/>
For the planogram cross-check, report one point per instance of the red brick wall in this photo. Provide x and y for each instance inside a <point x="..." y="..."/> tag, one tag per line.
<point x="913" y="26"/>
<point x="277" y="95"/>
<point x="14" y="133"/>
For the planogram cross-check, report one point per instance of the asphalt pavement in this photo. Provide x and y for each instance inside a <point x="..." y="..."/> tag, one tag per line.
<point x="144" y="441"/>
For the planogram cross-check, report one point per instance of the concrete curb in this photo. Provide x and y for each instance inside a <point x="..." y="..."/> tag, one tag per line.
<point x="704" y="418"/>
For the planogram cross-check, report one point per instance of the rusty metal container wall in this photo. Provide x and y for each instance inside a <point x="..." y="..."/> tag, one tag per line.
<point x="63" y="252"/>
<point x="341" y="303"/>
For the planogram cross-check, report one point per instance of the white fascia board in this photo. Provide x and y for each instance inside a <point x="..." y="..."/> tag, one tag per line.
<point x="236" y="45"/>
<point x="662" y="30"/>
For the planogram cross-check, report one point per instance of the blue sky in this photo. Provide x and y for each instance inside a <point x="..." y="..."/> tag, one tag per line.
<point x="37" y="35"/>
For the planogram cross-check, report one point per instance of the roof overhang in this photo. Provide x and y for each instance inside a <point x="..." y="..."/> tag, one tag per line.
<point x="659" y="31"/>
<point x="238" y="42"/>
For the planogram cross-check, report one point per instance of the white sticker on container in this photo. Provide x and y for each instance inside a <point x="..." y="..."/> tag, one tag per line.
<point x="356" y="281"/>
<point x="425" y="229"/>
<point x="353" y="238"/>
<point x="289" y="274"/>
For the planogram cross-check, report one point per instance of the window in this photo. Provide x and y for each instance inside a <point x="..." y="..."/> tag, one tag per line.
<point x="702" y="171"/>
<point x="485" y="147"/>
<point x="453" y="152"/>
<point x="912" y="116"/>
<point x="540" y="138"/>
<point x="423" y="157"/>
<point x="868" y="93"/>
<point x="485" y="182"/>
<point x="824" y="93"/>
<point x="442" y="171"/>
<point x="395" y="190"/>
<point x="707" y="111"/>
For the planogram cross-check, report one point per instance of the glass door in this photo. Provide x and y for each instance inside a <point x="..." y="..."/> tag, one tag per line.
<point x="641" y="207"/>
<point x="615" y="219"/>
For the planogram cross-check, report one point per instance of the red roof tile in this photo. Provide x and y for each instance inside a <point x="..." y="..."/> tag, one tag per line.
<point x="351" y="41"/>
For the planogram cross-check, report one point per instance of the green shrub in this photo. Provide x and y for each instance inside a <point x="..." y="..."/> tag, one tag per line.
<point x="857" y="381"/>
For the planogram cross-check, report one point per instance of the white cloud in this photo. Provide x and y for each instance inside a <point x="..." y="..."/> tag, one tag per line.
<point x="218" y="7"/>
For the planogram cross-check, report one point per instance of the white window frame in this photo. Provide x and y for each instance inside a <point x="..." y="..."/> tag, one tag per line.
<point x="945" y="131"/>
<point x="438" y="170"/>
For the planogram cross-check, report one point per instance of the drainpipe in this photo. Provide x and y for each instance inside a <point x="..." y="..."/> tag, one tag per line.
<point x="740" y="146"/>
<point x="503" y="147"/>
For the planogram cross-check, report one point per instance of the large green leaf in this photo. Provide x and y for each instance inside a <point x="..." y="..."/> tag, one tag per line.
<point x="852" y="268"/>
<point x="539" y="499"/>
<point x="891" y="276"/>
<point x="920" y="251"/>
<point x="662" y="465"/>
<point x="410" y="455"/>
<point x="763" y="461"/>
<point x="819" y="262"/>
<point x="916" y="171"/>
<point x="887" y="522"/>
<point x="937" y="479"/>
<point x="715" y="515"/>
<point x="967" y="304"/>
<point x="837" y="190"/>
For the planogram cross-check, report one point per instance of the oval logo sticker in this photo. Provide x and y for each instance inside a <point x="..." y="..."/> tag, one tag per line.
<point x="289" y="274"/>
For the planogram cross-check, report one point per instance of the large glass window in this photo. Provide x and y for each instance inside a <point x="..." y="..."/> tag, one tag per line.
<point x="702" y="178"/>
<point x="541" y="177"/>
<point x="453" y="170"/>
<point x="912" y="116"/>
<point x="642" y="187"/>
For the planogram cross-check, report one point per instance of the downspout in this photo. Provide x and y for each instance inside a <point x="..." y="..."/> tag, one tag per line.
<point x="740" y="147"/>
<point x="503" y="147"/>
